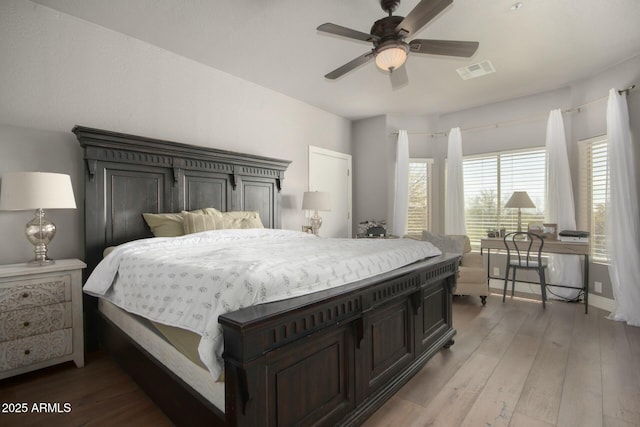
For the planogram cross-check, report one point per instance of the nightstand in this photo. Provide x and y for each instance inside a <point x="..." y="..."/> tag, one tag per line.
<point x="41" y="321"/>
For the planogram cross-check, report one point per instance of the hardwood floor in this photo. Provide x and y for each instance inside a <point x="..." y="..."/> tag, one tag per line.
<point x="100" y="394"/>
<point x="512" y="364"/>
<point x="519" y="365"/>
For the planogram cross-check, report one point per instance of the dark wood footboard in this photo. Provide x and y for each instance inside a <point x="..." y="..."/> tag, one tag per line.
<point x="334" y="357"/>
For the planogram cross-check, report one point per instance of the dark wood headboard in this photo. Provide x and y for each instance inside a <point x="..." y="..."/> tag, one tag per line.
<point x="127" y="175"/>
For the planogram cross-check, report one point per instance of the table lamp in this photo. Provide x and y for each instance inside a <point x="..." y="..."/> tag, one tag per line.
<point x="316" y="201"/>
<point x="37" y="190"/>
<point x="519" y="199"/>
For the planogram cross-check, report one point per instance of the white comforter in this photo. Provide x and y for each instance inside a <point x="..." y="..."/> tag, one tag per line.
<point x="189" y="281"/>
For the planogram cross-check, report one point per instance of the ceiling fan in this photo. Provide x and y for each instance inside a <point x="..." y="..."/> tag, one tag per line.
<point x="388" y="35"/>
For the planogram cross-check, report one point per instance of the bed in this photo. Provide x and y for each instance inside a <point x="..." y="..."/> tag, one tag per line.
<point x="366" y="338"/>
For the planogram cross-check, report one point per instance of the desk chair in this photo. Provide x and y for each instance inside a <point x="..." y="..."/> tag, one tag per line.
<point x="524" y="250"/>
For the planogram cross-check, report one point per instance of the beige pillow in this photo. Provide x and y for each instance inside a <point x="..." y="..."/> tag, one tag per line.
<point x="165" y="224"/>
<point x="213" y="212"/>
<point x="241" y="219"/>
<point x="170" y="224"/>
<point x="196" y="223"/>
<point x="108" y="250"/>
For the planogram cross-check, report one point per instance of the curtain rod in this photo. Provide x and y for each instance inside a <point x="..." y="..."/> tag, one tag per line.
<point x="577" y="109"/>
<point x="627" y="90"/>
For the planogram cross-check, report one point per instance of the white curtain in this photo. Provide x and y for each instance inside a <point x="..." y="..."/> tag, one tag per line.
<point x="401" y="199"/>
<point x="623" y="224"/>
<point x="454" y="204"/>
<point x="560" y="209"/>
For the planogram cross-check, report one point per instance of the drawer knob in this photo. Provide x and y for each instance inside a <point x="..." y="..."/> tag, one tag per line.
<point x="26" y="324"/>
<point x="27" y="352"/>
<point x="25" y="295"/>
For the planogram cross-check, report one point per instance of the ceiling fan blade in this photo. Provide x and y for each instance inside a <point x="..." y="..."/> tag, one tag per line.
<point x="399" y="78"/>
<point x="444" y="47"/>
<point x="363" y="59"/>
<point x="346" y="32"/>
<point x="424" y="12"/>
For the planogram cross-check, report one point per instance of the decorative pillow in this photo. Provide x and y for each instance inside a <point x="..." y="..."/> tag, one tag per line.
<point x="215" y="213"/>
<point x="170" y="224"/>
<point x="196" y="223"/>
<point x="165" y="224"/>
<point x="241" y="219"/>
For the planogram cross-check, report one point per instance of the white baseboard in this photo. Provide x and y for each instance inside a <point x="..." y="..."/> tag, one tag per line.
<point x="602" y="302"/>
<point x="532" y="289"/>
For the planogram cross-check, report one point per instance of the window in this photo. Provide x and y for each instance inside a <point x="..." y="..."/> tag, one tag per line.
<point x="489" y="181"/>
<point x="594" y="193"/>
<point x="419" y="215"/>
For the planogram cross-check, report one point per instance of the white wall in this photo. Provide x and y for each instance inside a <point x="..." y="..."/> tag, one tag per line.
<point x="58" y="71"/>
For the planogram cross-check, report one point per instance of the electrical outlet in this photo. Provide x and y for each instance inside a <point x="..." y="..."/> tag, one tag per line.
<point x="597" y="287"/>
<point x="496" y="271"/>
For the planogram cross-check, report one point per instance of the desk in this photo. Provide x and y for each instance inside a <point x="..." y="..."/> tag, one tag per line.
<point x="552" y="247"/>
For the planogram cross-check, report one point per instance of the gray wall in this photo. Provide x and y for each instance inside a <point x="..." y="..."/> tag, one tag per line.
<point x="58" y="71"/>
<point x="374" y="145"/>
<point x="370" y="170"/>
<point x="513" y="133"/>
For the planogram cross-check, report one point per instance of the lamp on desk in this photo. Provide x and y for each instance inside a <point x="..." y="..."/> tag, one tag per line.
<point x="316" y="201"/>
<point x="520" y="200"/>
<point x="37" y="190"/>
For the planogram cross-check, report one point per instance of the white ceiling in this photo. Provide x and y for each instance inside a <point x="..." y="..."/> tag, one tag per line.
<point x="542" y="46"/>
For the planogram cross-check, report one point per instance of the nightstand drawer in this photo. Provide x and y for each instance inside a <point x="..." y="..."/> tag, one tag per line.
<point x="34" y="292"/>
<point x="34" y="321"/>
<point x="30" y="350"/>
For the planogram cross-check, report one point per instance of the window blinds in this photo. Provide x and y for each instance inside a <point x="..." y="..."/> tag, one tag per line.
<point x="594" y="191"/>
<point x="419" y="215"/>
<point x="489" y="182"/>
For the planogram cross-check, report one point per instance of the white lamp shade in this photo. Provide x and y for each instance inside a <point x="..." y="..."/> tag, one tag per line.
<point x="391" y="59"/>
<point x="316" y="201"/>
<point x="519" y="199"/>
<point x="36" y="190"/>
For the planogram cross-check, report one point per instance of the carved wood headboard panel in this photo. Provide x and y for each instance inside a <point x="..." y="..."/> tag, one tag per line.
<point x="127" y="175"/>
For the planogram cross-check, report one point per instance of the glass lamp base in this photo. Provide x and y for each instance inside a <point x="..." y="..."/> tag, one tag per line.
<point x="40" y="232"/>
<point x="316" y="223"/>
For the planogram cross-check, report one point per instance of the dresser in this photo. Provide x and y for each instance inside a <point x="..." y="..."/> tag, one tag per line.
<point x="41" y="322"/>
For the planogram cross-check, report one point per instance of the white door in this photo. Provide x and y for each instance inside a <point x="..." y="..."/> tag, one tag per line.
<point x="331" y="171"/>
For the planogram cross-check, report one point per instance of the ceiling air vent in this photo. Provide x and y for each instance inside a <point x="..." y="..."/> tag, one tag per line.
<point x="476" y="70"/>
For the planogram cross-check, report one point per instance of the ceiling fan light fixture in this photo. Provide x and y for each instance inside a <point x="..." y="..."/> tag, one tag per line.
<point x="388" y="36"/>
<point x="391" y="58"/>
